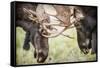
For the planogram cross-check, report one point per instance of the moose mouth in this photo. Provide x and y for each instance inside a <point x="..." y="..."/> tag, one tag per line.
<point x="41" y="56"/>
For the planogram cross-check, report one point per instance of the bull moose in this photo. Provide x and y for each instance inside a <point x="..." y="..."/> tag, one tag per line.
<point x="39" y="42"/>
<point x="36" y="22"/>
<point x="87" y="30"/>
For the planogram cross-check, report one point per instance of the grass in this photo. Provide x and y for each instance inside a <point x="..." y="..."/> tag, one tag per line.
<point x="61" y="49"/>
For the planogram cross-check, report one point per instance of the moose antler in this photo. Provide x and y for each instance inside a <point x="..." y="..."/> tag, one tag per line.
<point x="66" y="16"/>
<point x="31" y="14"/>
<point x="64" y="21"/>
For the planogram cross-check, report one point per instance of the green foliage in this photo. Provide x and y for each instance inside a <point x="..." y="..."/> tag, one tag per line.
<point x="61" y="49"/>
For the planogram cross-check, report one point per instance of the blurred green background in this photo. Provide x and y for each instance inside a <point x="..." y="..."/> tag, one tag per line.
<point x="61" y="49"/>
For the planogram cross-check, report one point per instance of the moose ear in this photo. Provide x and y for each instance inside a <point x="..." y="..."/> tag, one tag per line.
<point x="79" y="13"/>
<point x="76" y="13"/>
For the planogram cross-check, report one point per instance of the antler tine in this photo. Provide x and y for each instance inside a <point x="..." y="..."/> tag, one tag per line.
<point x="29" y="11"/>
<point x="31" y="14"/>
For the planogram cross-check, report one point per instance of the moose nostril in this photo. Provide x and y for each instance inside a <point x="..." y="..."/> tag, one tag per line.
<point x="40" y="59"/>
<point x="83" y="44"/>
